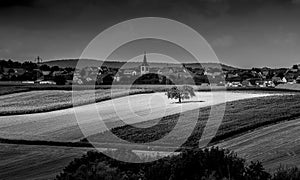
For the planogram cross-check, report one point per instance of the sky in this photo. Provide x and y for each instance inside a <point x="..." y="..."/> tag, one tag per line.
<point x="243" y="33"/>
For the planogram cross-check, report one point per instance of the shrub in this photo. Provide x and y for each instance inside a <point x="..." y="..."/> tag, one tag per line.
<point x="286" y="174"/>
<point x="213" y="163"/>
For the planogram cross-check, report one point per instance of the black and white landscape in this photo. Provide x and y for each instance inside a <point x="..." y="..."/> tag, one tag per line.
<point x="226" y="107"/>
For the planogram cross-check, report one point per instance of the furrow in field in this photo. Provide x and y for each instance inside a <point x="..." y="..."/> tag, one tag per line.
<point x="62" y="125"/>
<point x="272" y="144"/>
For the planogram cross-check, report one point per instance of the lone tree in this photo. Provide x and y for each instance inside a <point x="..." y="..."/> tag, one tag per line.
<point x="180" y="93"/>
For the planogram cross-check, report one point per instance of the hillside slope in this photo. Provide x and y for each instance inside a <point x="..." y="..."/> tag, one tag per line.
<point x="118" y="64"/>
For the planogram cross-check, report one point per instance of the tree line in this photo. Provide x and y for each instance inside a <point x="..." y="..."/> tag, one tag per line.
<point x="193" y="164"/>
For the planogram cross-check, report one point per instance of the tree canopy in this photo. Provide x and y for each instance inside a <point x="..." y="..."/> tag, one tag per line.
<point x="180" y="93"/>
<point x="192" y="164"/>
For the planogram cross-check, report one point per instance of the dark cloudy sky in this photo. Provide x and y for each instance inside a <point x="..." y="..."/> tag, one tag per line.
<point x="244" y="33"/>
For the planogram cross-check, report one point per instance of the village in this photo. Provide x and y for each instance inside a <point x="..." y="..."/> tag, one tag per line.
<point x="39" y="73"/>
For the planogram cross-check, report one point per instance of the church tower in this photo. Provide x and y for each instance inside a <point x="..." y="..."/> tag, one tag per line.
<point x="144" y="66"/>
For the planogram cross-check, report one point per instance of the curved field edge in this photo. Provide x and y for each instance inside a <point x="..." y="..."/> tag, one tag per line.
<point x="50" y="98"/>
<point x="15" y="88"/>
<point x="240" y="117"/>
<point x="58" y="100"/>
<point x="274" y="144"/>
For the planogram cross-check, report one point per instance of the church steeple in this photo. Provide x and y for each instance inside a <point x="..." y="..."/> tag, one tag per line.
<point x="145" y="65"/>
<point x="145" y="60"/>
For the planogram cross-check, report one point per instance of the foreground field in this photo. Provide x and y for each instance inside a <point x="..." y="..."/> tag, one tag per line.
<point x="62" y="125"/>
<point x="240" y="117"/>
<point x="20" y="162"/>
<point x="273" y="145"/>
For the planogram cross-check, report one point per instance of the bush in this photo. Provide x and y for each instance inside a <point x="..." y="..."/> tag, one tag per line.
<point x="191" y="164"/>
<point x="286" y="173"/>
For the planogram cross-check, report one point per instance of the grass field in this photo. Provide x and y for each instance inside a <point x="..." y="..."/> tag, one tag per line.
<point x="12" y="89"/>
<point x="240" y="117"/>
<point x="20" y="162"/>
<point x="156" y="88"/>
<point x="50" y="100"/>
<point x="62" y="125"/>
<point x="249" y="127"/>
<point x="274" y="145"/>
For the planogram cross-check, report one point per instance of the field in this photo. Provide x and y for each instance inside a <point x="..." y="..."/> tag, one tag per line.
<point x="240" y="117"/>
<point x="49" y="100"/>
<point x="62" y="125"/>
<point x="20" y="162"/>
<point x="273" y="145"/>
<point x="12" y="89"/>
<point x="257" y="125"/>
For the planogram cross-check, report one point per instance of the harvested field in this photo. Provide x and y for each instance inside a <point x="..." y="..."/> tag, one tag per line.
<point x="21" y="162"/>
<point x="50" y="100"/>
<point x="62" y="125"/>
<point x="273" y="145"/>
<point x="12" y="89"/>
<point x="244" y="112"/>
<point x="240" y="117"/>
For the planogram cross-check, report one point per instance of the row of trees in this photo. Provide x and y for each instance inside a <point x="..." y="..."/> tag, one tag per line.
<point x="33" y="71"/>
<point x="28" y="65"/>
<point x="202" y="164"/>
<point x="152" y="78"/>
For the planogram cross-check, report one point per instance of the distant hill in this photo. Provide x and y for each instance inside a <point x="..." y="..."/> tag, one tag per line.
<point x="118" y="64"/>
<point x="211" y="65"/>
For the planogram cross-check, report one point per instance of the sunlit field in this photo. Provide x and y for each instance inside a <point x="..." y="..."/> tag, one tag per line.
<point x="62" y="125"/>
<point x="251" y="121"/>
<point x="50" y="100"/>
<point x="240" y="117"/>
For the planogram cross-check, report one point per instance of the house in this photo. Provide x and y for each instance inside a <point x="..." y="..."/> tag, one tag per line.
<point x="269" y="84"/>
<point x="213" y="72"/>
<point x="165" y="71"/>
<point x="277" y="80"/>
<point x="208" y="73"/>
<point x="47" y="82"/>
<point x="232" y="75"/>
<point x="130" y="72"/>
<point x="246" y="83"/>
<point x="261" y="83"/>
<point x="234" y="84"/>
<point x="27" y="82"/>
<point x="117" y="78"/>
<point x="46" y="73"/>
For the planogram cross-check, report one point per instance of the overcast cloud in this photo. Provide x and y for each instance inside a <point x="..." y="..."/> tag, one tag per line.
<point x="244" y="33"/>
